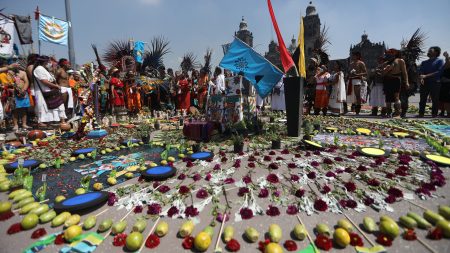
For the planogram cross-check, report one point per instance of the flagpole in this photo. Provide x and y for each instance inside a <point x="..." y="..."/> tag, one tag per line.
<point x="71" y="47"/>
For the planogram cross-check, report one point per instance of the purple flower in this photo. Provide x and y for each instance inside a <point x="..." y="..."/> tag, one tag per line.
<point x="154" y="209"/>
<point x="292" y="166"/>
<point x="272" y="178"/>
<point x="247" y="179"/>
<point x="315" y="164"/>
<point x="312" y="175"/>
<point x="163" y="189"/>
<point x="272" y="211"/>
<point x="229" y="180"/>
<point x="251" y="165"/>
<point x="292" y="210"/>
<point x="263" y="193"/>
<point x="330" y="174"/>
<point x="242" y="191"/>
<point x="197" y="177"/>
<point x="299" y="193"/>
<point x="246" y="213"/>
<point x="295" y="178"/>
<point x="184" y="190"/>
<point x="202" y="194"/>
<point x="172" y="211"/>
<point x="217" y="167"/>
<point x="191" y="211"/>
<point x="276" y="193"/>
<point x="182" y="176"/>
<point x="220" y="217"/>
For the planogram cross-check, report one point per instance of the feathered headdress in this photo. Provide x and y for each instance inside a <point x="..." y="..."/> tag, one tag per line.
<point x="321" y="47"/>
<point x="189" y="62"/>
<point x="413" y="49"/>
<point x="207" y="66"/>
<point x="153" y="59"/>
<point x="116" y="51"/>
<point x="99" y="61"/>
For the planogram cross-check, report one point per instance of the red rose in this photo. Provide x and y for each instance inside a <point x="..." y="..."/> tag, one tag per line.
<point x="263" y="193"/>
<point x="320" y="205"/>
<point x="299" y="193"/>
<point x="152" y="241"/>
<point x="202" y="194"/>
<point x="191" y="211"/>
<point x="272" y="178"/>
<point x="184" y="190"/>
<point x="246" y="213"/>
<point x="137" y="209"/>
<point x="350" y="186"/>
<point x="384" y="240"/>
<point x="233" y="245"/>
<point x="119" y="239"/>
<point x="290" y="245"/>
<point x="356" y="240"/>
<point x="188" y="242"/>
<point x="323" y="242"/>
<point x="272" y="211"/>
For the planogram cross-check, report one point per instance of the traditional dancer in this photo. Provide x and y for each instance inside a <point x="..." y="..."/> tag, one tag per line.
<point x="357" y="75"/>
<point x="395" y="78"/>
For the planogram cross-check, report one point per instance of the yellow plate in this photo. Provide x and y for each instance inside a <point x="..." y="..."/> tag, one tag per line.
<point x="373" y="151"/>
<point x="363" y="130"/>
<point x="312" y="143"/>
<point x="439" y="159"/>
<point x="400" y="134"/>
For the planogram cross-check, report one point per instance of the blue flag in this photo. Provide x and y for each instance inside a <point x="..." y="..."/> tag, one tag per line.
<point x="139" y="51"/>
<point x="257" y="69"/>
<point x="53" y="30"/>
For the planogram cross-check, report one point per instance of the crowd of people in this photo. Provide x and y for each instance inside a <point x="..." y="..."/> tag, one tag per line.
<point x="386" y="89"/>
<point x="45" y="90"/>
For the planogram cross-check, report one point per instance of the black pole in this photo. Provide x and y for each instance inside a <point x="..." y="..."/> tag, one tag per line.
<point x="71" y="46"/>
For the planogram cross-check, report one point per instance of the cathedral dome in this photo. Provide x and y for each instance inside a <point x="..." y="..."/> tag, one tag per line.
<point x="310" y="10"/>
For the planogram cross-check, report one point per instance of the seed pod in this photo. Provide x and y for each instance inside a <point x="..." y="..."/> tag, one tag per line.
<point x="119" y="227"/>
<point x="322" y="229"/>
<point x="252" y="234"/>
<point x="60" y="219"/>
<point x="105" y="225"/>
<point x="408" y="222"/>
<point x="228" y="233"/>
<point x="300" y="232"/>
<point x="47" y="216"/>
<point x="345" y="224"/>
<point x="369" y="224"/>
<point x="186" y="229"/>
<point x="28" y="207"/>
<point x="90" y="222"/>
<point x="432" y="217"/>
<point x="275" y="233"/>
<point x="444" y="211"/>
<point x="139" y="225"/>
<point x="421" y="222"/>
<point x="40" y="210"/>
<point x="72" y="220"/>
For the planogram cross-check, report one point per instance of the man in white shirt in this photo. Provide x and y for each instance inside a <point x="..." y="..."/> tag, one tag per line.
<point x="219" y="83"/>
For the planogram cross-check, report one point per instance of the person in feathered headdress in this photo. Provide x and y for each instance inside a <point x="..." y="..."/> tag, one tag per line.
<point x="357" y="75"/>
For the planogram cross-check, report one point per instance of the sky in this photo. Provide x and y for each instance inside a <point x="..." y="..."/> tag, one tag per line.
<point x="195" y="25"/>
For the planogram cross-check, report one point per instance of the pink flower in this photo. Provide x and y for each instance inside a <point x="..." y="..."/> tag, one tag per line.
<point x="172" y="211"/>
<point x="247" y="179"/>
<point x="246" y="213"/>
<point x="202" y="194"/>
<point x="154" y="209"/>
<point x="191" y="211"/>
<point x="263" y="193"/>
<point x="272" y="211"/>
<point x="242" y="191"/>
<point x="295" y="178"/>
<point x="229" y="180"/>
<point x="312" y="175"/>
<point x="292" y="210"/>
<point x="299" y="193"/>
<point x="272" y="178"/>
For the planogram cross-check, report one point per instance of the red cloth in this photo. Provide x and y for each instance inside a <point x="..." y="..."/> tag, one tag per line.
<point x="117" y="98"/>
<point x="184" y="98"/>
<point x="286" y="59"/>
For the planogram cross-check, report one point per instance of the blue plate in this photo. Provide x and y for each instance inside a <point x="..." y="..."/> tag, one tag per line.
<point x="83" y="151"/>
<point x="97" y="134"/>
<point x="67" y="135"/>
<point x="201" y="156"/>
<point x="31" y="164"/>
<point x="82" y="202"/>
<point x="159" y="173"/>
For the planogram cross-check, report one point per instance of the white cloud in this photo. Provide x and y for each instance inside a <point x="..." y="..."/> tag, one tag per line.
<point x="150" y="2"/>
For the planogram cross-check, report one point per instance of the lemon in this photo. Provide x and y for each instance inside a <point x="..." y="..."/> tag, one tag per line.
<point x="341" y="237"/>
<point x="202" y="241"/>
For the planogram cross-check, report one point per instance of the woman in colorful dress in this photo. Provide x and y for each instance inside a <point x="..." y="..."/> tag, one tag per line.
<point x="338" y="92"/>
<point x="202" y="89"/>
<point x="117" y="93"/>
<point x="322" y="95"/>
<point x="184" y="93"/>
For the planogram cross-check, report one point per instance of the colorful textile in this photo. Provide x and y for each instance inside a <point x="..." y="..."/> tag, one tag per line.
<point x="53" y="30"/>
<point x="138" y="51"/>
<point x="6" y="38"/>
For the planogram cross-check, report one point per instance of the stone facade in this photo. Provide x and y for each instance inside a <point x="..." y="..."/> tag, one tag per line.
<point x="369" y="51"/>
<point x="311" y="24"/>
<point x="244" y="34"/>
<point x="273" y="55"/>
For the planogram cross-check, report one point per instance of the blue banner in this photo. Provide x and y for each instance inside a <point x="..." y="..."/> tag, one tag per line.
<point x="53" y="30"/>
<point x="257" y="69"/>
<point x="139" y="51"/>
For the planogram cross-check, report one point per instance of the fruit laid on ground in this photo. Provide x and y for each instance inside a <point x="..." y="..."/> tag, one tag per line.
<point x="300" y="232"/>
<point x="322" y="229"/>
<point x="28" y="207"/>
<point x="24" y="202"/>
<point x="119" y="227"/>
<point x="386" y="218"/>
<point x="341" y="237"/>
<point x="29" y="221"/>
<point x="389" y="228"/>
<point x="445" y="227"/>
<point x="444" y="211"/>
<point x="369" y="224"/>
<point x="71" y="232"/>
<point x="153" y="165"/>
<point x="80" y="191"/>
<point x="59" y="198"/>
<point x="41" y="209"/>
<point x="111" y="180"/>
<point x="134" y="241"/>
<point x="81" y="156"/>
<point x="186" y="229"/>
<point x="21" y="196"/>
<point x="171" y="159"/>
<point x="105" y="225"/>
<point x="202" y="241"/>
<point x="60" y="219"/>
<point x="209" y="230"/>
<point x="72" y="159"/>
<point x="228" y="233"/>
<point x="4" y="186"/>
<point x="408" y="222"/>
<point x="162" y="228"/>
<point x="251" y="234"/>
<point x="139" y="225"/>
<point x="98" y="186"/>
<point x="275" y="233"/>
<point x="74" y="219"/>
<point x="181" y="155"/>
<point x="421" y="222"/>
<point x="129" y="175"/>
<point x="163" y="162"/>
<point x="16" y="192"/>
<point x="273" y="248"/>
<point x="432" y="217"/>
<point x="345" y="224"/>
<point x="90" y="222"/>
<point x="5" y="206"/>
<point x="47" y="216"/>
